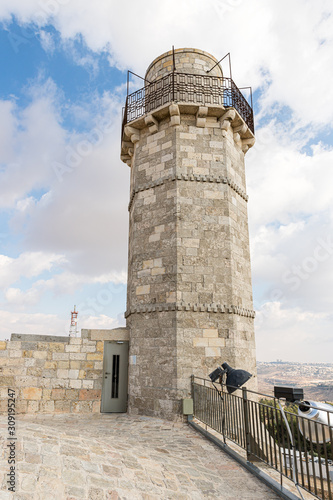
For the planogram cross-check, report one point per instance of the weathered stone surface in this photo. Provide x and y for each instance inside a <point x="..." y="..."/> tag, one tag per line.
<point x="32" y="393"/>
<point x="100" y="346"/>
<point x="51" y="365"/>
<point x="77" y="356"/>
<point x="101" y="335"/>
<point x="58" y="394"/>
<point x="33" y="406"/>
<point x="72" y="394"/>
<point x="62" y="406"/>
<point x="47" y="379"/>
<point x="37" y="338"/>
<point x="63" y="365"/>
<point x="60" y="356"/>
<point x="72" y="348"/>
<point x="88" y="395"/>
<point x="73" y="374"/>
<point x="91" y="456"/>
<point x="95" y="357"/>
<point x="75" y="384"/>
<point x="46" y="406"/>
<point x="189" y="294"/>
<point x="87" y="384"/>
<point x="56" y="347"/>
<point x="15" y="345"/>
<point x="62" y="373"/>
<point x="96" y="407"/>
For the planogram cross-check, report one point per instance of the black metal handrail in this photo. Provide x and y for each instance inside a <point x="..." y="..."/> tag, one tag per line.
<point x="188" y="88"/>
<point x="259" y="427"/>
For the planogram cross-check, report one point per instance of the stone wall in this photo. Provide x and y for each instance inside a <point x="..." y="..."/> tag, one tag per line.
<point x="189" y="305"/>
<point x="189" y="295"/>
<point x="186" y="60"/>
<point x="51" y="374"/>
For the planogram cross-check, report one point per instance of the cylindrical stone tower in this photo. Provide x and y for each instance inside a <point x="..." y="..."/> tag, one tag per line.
<point x="189" y="298"/>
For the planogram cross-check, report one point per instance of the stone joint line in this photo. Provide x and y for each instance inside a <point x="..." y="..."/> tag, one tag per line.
<point x="191" y="177"/>
<point x="181" y="306"/>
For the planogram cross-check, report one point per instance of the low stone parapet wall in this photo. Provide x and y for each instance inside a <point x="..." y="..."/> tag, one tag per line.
<point x="51" y="376"/>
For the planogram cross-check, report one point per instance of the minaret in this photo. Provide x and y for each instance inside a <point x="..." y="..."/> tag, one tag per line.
<point x="189" y="294"/>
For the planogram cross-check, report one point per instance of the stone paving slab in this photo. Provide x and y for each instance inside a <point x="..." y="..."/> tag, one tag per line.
<point x="117" y="456"/>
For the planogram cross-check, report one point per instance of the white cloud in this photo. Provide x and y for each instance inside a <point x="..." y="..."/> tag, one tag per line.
<point x="288" y="45"/>
<point x="83" y="214"/>
<point x="78" y="227"/>
<point x="62" y="284"/>
<point x="27" y="265"/>
<point x="293" y="334"/>
<point x="50" y="324"/>
<point x="47" y="41"/>
<point x="34" y="136"/>
<point x="68" y="283"/>
<point x="301" y="44"/>
<point x="16" y="297"/>
<point x="100" y="322"/>
<point x="285" y="183"/>
<point x="291" y="215"/>
<point x="38" y="323"/>
<point x="7" y="127"/>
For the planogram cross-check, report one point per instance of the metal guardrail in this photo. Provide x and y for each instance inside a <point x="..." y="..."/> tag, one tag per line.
<point x="259" y="427"/>
<point x="188" y="88"/>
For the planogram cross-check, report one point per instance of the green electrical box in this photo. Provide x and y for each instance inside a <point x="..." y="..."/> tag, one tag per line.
<point x="188" y="406"/>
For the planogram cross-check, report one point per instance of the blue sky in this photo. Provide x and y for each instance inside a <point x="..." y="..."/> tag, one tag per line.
<point x="64" y="191"/>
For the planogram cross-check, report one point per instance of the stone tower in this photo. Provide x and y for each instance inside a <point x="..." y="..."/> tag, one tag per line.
<point x="189" y="296"/>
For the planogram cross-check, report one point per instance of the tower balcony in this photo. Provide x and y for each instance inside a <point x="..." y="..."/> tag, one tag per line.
<point x="201" y="95"/>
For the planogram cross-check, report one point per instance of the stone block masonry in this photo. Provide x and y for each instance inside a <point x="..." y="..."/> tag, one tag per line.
<point x="54" y="376"/>
<point x="189" y="294"/>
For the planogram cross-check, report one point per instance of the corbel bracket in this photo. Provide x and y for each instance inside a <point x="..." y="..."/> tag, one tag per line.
<point x="201" y="116"/>
<point x="152" y="123"/>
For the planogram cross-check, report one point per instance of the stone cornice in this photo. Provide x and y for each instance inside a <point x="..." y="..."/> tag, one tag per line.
<point x="181" y="306"/>
<point x="226" y="119"/>
<point x="189" y="177"/>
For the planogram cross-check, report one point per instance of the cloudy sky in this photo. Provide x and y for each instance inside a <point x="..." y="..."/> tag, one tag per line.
<point x="64" y="191"/>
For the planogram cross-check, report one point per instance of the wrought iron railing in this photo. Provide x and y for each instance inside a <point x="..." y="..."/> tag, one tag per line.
<point x="188" y="88"/>
<point x="259" y="427"/>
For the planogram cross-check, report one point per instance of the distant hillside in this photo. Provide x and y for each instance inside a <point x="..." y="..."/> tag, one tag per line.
<point x="315" y="378"/>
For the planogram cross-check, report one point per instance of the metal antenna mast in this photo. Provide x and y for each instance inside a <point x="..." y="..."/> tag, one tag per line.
<point x="73" y="331"/>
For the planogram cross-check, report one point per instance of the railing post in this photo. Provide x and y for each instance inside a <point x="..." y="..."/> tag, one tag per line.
<point x="173" y="86"/>
<point x="246" y="424"/>
<point x="192" y="393"/>
<point x="124" y="120"/>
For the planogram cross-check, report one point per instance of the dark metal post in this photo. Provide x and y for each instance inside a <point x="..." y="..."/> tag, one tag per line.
<point x="173" y="73"/>
<point x="173" y="86"/>
<point x="227" y="55"/>
<point x="246" y="423"/>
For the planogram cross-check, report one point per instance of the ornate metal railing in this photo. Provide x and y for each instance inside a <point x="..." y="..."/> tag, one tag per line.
<point x="259" y="427"/>
<point x="187" y="88"/>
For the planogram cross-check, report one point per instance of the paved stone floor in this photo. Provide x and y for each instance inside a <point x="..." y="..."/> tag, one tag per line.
<point x="117" y="456"/>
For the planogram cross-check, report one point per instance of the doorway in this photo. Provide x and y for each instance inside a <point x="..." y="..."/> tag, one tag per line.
<point x="115" y="377"/>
